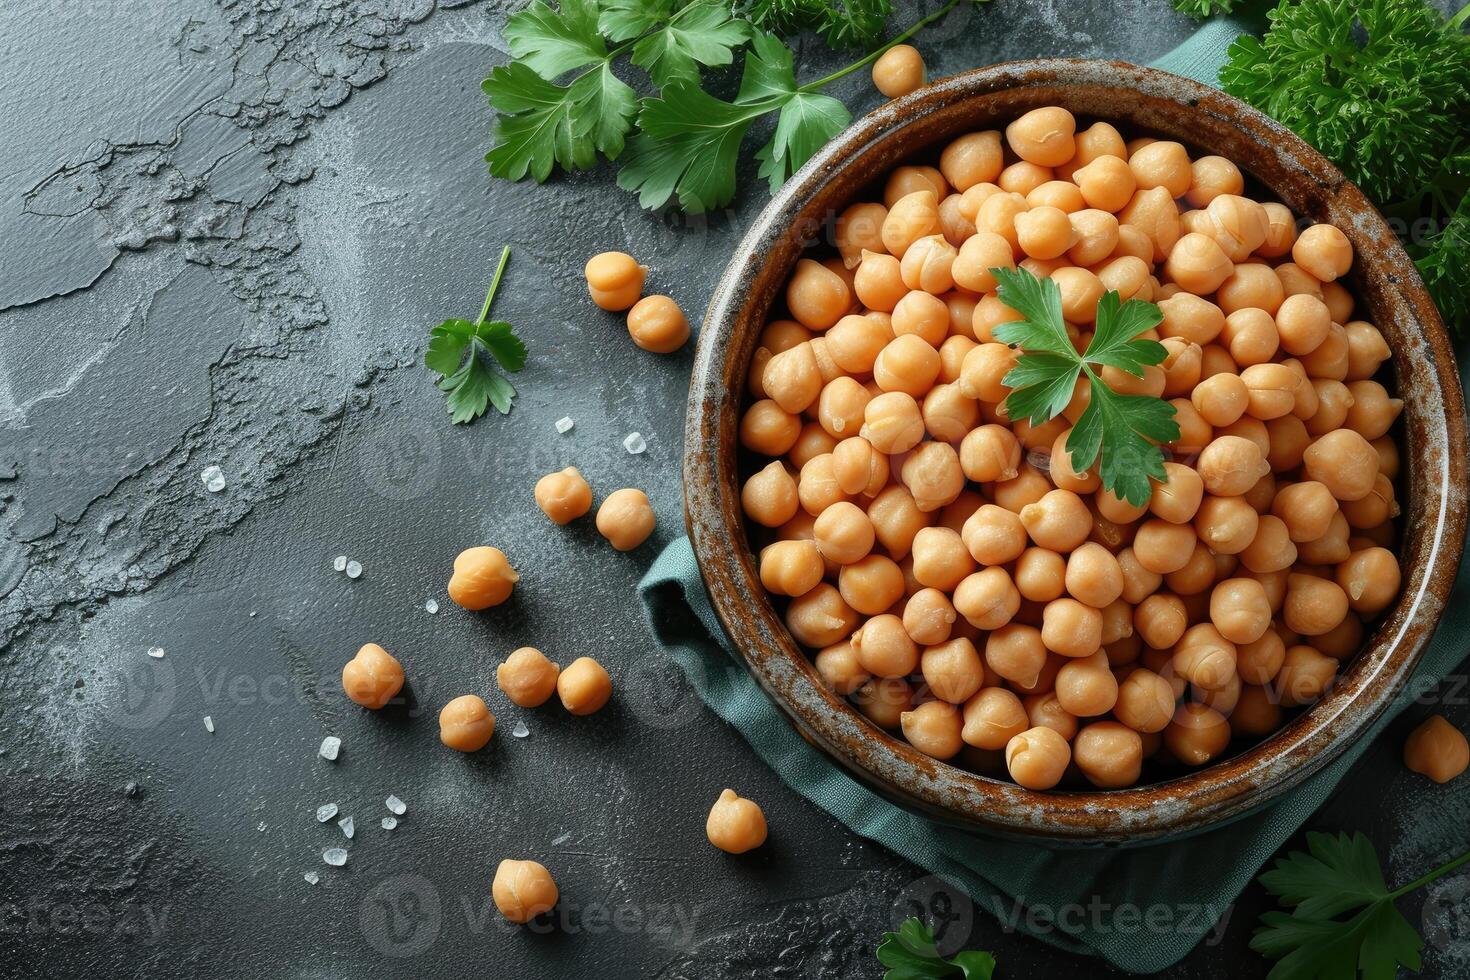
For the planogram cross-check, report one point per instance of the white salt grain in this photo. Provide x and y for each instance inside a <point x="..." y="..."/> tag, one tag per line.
<point x="431" y="607"/>
<point x="347" y="827"/>
<point x="339" y="563"/>
<point x="634" y="443"/>
<point x="335" y="856"/>
<point x="312" y="877"/>
<point x="389" y="823"/>
<point x="326" y="812"/>
<point x="564" y="424"/>
<point x="331" y="745"/>
<point x="396" y="805"/>
<point x="260" y="826"/>
<point x="354" y="569"/>
<point x="208" y="723"/>
<point x="520" y="731"/>
<point x="213" y="479"/>
<point x="156" y="653"/>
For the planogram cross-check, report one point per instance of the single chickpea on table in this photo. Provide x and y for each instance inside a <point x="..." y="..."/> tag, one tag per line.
<point x="954" y="573"/>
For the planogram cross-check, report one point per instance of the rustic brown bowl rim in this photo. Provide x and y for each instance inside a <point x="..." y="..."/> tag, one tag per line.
<point x="1386" y="281"/>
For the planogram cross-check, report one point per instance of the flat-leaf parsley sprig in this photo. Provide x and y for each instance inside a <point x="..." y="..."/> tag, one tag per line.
<point x="465" y="353"/>
<point x="1123" y="430"/>
<point x="1337" y="875"/>
<point x="911" y="954"/>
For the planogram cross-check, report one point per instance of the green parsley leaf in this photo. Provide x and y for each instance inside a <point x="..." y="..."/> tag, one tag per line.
<point x="1121" y="433"/>
<point x="688" y="145"/>
<point x="910" y="954"/>
<point x="542" y="124"/>
<point x="701" y="33"/>
<point x="465" y="354"/>
<point x="807" y="119"/>
<point x="554" y="42"/>
<point x="842" y="23"/>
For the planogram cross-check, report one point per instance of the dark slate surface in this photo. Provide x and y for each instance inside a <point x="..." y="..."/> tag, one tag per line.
<point x="227" y="229"/>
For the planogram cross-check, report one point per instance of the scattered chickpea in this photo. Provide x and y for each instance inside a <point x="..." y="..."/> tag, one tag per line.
<point x="1437" y="749"/>
<point x="658" y="325"/>
<point x="527" y="677"/>
<point x="615" y="280"/>
<point x="465" y="724"/>
<point x="372" y="677"/>
<point x="625" y="519"/>
<point x="523" y="890"/>
<point x="1037" y="758"/>
<point x="482" y="578"/>
<point x="584" y="687"/>
<point x="563" y="496"/>
<point x="735" y="825"/>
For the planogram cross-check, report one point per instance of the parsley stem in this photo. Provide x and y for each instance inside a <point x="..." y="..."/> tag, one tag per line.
<point x="1458" y="21"/>
<point x="1438" y="872"/>
<point x="875" y="55"/>
<point x="494" y="284"/>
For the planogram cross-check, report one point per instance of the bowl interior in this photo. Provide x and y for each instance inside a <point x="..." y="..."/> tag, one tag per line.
<point x="1389" y="294"/>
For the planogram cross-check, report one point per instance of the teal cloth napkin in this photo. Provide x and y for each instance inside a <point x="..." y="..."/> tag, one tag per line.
<point x="1189" y="883"/>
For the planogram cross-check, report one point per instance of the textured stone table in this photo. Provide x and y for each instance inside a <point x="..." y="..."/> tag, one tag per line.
<point x="227" y="229"/>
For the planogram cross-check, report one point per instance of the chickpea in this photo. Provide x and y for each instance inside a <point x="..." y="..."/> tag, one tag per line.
<point x="1313" y="605"/>
<point x="1227" y="525"/>
<point x="858" y="467"/>
<point x="1071" y="628"/>
<point x="840" y="669"/>
<point x="892" y="422"/>
<point x="816" y="485"/>
<point x="1060" y="194"/>
<point x="840" y="406"/>
<point x="584" y="687"/>
<point x="791" y="568"/>
<point x="1197" y="734"/>
<point x="1107" y="183"/>
<point x="933" y="475"/>
<point x="527" y="677"/>
<point x="1437" y="749"/>
<point x="563" y="496"/>
<point x="859" y="229"/>
<point x="1367" y="350"/>
<point x="1344" y="462"/>
<point x="1198" y="264"/>
<point x="657" y="325"/>
<point x="987" y="598"/>
<point x="1162" y="163"/>
<point x="1220" y="399"/>
<point x="1324" y="251"/>
<point x="1094" y="236"/>
<point x="993" y="535"/>
<point x="896" y="519"/>
<point x="1333" y="401"/>
<point x="855" y="342"/>
<point x="1372" y="412"/>
<point x="910" y="218"/>
<point x="1251" y="286"/>
<point x="1109" y="754"/>
<point x="1370" y="578"/>
<point x="626" y="518"/>
<point x="843" y="533"/>
<point x="929" y="617"/>
<point x="735" y="824"/>
<point x="1190" y="318"/>
<point x="1058" y="521"/>
<point x="952" y="354"/>
<point x="1303" y="322"/>
<point x="1154" y="213"/>
<point x="907" y="179"/>
<point x="940" y="558"/>
<point x="1240" y="610"/>
<point x="983" y="370"/>
<point x="765" y="428"/>
<point x="1250" y="336"/>
<point x="1178" y="497"/>
<point x="921" y="315"/>
<point x="1044" y="232"/>
<point x="934" y="729"/>
<point x="523" y="890"/>
<point x="952" y="670"/>
<point x="769" y="498"/>
<point x="1016" y="653"/>
<point x="465" y="724"/>
<point x="1161" y="547"/>
<point x="1271" y="390"/>
<point x="1211" y="176"/>
<point x="1161" y="620"/>
<point x="1306" y="509"/>
<point x="1374" y="510"/>
<point x="1305" y="675"/>
<point x="878" y="282"/>
<point x="974" y="158"/>
<point x="981" y="252"/>
<point x="373" y="677"/>
<point x="1037" y="758"/>
<point x="1204" y="657"/>
<point x="615" y="280"/>
<point x="990" y="453"/>
<point x="899" y="71"/>
<point x="482" y="578"/>
<point x="1080" y="290"/>
<point x="1145" y="701"/>
<point x="1231" y="465"/>
<point x="1331" y="547"/>
<point x="992" y="717"/>
<point x="871" y="584"/>
<point x="792" y="378"/>
<point x="1094" y="576"/>
<point x="1280" y="231"/>
<point x="1086" y="687"/>
<point x="1331" y="359"/>
<point x="948" y="415"/>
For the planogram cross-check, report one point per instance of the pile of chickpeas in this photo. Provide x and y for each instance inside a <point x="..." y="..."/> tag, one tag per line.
<point x="948" y="567"/>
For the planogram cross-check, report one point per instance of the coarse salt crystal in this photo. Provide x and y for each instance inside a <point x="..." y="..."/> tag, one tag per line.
<point x="335" y="856"/>
<point x="431" y="607"/>
<point x="396" y="805"/>
<point x="331" y="745"/>
<point x="208" y="723"/>
<point x="354" y="569"/>
<point x="520" y="731"/>
<point x="326" y="812"/>
<point x="339" y="563"/>
<point x="213" y="479"/>
<point x="260" y="826"/>
<point x="347" y="827"/>
<point x="634" y="443"/>
<point x="156" y="653"/>
<point x="389" y="823"/>
<point x="312" y="877"/>
<point x="564" y="424"/>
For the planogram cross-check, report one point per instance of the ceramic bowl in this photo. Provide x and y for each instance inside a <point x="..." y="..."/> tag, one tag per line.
<point x="1431" y="432"/>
